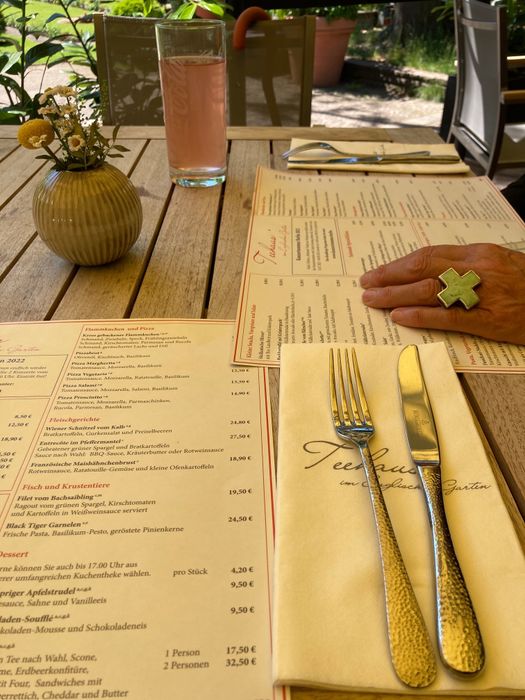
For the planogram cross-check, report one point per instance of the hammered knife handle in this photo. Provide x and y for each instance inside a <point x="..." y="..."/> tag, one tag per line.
<point x="460" y="642"/>
<point x="410" y="647"/>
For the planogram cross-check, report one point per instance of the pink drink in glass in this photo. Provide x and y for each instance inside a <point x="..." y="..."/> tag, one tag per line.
<point x="193" y="93"/>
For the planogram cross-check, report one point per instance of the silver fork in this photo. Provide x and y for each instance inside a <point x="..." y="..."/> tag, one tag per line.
<point x="410" y="648"/>
<point x="311" y="145"/>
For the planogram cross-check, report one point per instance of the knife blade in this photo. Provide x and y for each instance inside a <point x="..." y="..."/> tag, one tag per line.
<point x="460" y="643"/>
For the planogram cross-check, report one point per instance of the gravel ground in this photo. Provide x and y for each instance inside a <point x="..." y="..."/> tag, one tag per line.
<point x="354" y="105"/>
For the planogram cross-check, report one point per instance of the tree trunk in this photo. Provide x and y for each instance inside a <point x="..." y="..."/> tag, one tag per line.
<point x="411" y="18"/>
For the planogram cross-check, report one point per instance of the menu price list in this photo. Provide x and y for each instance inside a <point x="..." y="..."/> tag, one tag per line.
<point x="312" y="237"/>
<point x="136" y="526"/>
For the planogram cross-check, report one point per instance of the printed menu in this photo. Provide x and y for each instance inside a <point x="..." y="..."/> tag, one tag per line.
<point x="136" y="513"/>
<point x="311" y="237"/>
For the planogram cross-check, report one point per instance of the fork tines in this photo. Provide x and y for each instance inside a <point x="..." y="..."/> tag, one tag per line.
<point x="360" y="416"/>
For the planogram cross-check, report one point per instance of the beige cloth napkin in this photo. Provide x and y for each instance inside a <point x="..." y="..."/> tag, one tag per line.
<point x="329" y="625"/>
<point x="375" y="147"/>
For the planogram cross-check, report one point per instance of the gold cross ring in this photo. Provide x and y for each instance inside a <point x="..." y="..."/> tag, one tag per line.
<point x="459" y="288"/>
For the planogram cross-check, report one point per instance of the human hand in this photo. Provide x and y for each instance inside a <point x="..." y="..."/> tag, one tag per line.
<point x="409" y="286"/>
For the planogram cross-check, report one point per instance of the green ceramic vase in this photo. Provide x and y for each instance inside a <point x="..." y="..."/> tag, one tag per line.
<point x="89" y="217"/>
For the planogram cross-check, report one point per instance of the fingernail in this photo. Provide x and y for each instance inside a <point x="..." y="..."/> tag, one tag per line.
<point x="369" y="295"/>
<point x="400" y="315"/>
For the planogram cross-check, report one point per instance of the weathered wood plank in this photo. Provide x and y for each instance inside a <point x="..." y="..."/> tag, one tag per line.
<point x="16" y="226"/>
<point x="271" y="133"/>
<point x="7" y="146"/>
<point x="235" y="220"/>
<point x="31" y="289"/>
<point x="18" y="168"/>
<point x="176" y="281"/>
<point x="415" y="134"/>
<point x="279" y="147"/>
<point x="311" y="694"/>
<point x="497" y="400"/>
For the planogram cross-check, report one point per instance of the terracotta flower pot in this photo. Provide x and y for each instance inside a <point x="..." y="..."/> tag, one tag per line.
<point x="89" y="217"/>
<point x="331" y="43"/>
<point x="201" y="13"/>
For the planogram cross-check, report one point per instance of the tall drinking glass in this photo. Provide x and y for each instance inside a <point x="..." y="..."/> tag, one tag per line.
<point x="192" y="61"/>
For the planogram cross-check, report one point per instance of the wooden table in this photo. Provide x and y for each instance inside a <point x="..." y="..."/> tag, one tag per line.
<point x="188" y="263"/>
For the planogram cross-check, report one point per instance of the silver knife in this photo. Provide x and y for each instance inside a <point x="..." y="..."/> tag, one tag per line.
<point x="460" y="643"/>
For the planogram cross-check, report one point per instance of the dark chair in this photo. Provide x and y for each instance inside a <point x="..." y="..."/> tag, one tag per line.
<point x="486" y="121"/>
<point x="269" y="80"/>
<point x="128" y="70"/>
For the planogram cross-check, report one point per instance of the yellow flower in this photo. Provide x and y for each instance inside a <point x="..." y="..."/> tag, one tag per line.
<point x="39" y="128"/>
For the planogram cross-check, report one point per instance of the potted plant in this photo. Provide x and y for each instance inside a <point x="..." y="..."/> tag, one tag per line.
<point x="85" y="210"/>
<point x="334" y="26"/>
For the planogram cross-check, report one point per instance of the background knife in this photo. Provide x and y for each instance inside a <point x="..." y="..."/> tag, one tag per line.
<point x="460" y="643"/>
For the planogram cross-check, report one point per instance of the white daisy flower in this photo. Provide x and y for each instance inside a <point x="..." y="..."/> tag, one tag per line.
<point x="75" y="143"/>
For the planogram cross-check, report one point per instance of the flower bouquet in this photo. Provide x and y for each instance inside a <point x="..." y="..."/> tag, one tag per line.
<point x="83" y="146"/>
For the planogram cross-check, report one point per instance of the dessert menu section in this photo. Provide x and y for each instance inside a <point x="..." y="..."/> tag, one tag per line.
<point x="136" y="525"/>
<point x="311" y="237"/>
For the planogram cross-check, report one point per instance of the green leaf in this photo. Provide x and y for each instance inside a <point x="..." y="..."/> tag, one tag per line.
<point x="185" y="11"/>
<point x="212" y="7"/>
<point x="91" y="136"/>
<point x="11" y="60"/>
<point x="120" y="147"/>
<point x="11" y="85"/>
<point x="9" y="117"/>
<point x="21" y="109"/>
<point x="55" y="15"/>
<point x="43" y="50"/>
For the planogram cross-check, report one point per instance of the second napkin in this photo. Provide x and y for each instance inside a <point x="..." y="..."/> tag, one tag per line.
<point x="367" y="148"/>
<point x="330" y="626"/>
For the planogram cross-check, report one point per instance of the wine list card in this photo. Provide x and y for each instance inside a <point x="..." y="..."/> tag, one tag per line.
<point x="312" y="236"/>
<point x="136" y="517"/>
